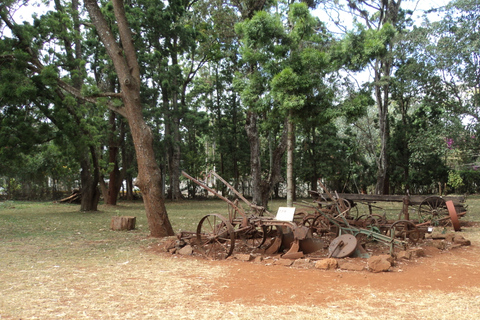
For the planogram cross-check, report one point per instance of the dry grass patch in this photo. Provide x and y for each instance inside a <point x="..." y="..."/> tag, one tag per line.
<point x="130" y="285"/>
<point x="58" y="263"/>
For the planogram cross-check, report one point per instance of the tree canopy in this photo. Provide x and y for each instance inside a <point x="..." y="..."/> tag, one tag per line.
<point x="96" y="93"/>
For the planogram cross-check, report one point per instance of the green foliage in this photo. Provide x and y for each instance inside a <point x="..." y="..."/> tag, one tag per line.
<point x="470" y="178"/>
<point x="356" y="103"/>
<point x="39" y="175"/>
<point x="278" y="64"/>
<point x="457" y="53"/>
<point x="362" y="45"/>
<point x="260" y="35"/>
<point x="455" y="179"/>
<point x="284" y="86"/>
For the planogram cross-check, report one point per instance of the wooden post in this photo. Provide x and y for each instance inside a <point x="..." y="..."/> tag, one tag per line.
<point x="406" y="203"/>
<point x="123" y="223"/>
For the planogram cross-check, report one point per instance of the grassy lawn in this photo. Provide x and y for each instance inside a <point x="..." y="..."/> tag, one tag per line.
<point x="59" y="263"/>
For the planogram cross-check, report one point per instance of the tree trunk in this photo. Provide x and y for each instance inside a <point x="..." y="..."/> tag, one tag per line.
<point x="313" y="160"/>
<point x="383" y="68"/>
<point x="103" y="188"/>
<point x="167" y="115"/>
<point x="236" y="172"/>
<point x="127" y="162"/>
<point x="381" y="96"/>
<point x="176" y="152"/>
<point x="388" y="12"/>
<point x="275" y="174"/>
<point x="126" y="65"/>
<point x="129" y="187"/>
<point x="115" y="181"/>
<point x="290" y="147"/>
<point x="149" y="177"/>
<point x="255" y="165"/>
<point x="262" y="188"/>
<point x="90" y="194"/>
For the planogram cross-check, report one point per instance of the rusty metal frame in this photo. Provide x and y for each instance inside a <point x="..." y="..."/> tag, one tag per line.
<point x="248" y="221"/>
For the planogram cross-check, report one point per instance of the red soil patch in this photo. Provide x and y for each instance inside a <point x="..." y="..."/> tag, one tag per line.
<point x="250" y="283"/>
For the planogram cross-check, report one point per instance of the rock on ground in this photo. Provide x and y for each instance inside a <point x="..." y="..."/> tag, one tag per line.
<point x="326" y="264"/>
<point x="379" y="263"/>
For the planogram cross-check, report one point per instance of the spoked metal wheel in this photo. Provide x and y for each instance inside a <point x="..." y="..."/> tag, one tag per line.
<point x="321" y="228"/>
<point x="215" y="237"/>
<point x="374" y="222"/>
<point x="254" y="237"/>
<point x="432" y="210"/>
<point x="318" y="225"/>
<point x="406" y="231"/>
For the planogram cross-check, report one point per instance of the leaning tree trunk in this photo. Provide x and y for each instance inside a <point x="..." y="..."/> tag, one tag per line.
<point x="149" y="178"/>
<point x="124" y="59"/>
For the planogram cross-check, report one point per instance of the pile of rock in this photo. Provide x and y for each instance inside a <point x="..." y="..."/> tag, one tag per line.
<point x="449" y="240"/>
<point x="376" y="263"/>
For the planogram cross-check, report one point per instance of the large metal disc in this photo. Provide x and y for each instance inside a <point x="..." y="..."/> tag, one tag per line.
<point x="342" y="246"/>
<point x="453" y="215"/>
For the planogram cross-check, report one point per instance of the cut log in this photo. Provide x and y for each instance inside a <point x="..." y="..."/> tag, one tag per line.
<point x="123" y="223"/>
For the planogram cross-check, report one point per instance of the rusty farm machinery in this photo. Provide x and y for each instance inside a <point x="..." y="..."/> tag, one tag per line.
<point x="327" y="225"/>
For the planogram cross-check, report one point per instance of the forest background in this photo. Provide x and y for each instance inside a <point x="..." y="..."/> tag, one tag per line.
<point x="105" y="95"/>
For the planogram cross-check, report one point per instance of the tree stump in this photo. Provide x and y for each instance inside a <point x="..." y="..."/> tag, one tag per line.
<point x="122" y="223"/>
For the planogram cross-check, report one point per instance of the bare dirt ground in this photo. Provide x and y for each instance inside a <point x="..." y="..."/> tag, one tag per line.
<point x="448" y="271"/>
<point x="250" y="283"/>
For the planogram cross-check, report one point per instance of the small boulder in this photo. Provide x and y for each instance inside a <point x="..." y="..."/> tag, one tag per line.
<point x="404" y="255"/>
<point x="459" y="239"/>
<point x="258" y="259"/>
<point x="302" y="263"/>
<point x="283" y="262"/>
<point x="243" y="257"/>
<point x="417" y="252"/>
<point x="351" y="266"/>
<point x="438" y="235"/>
<point x="326" y="264"/>
<point x="170" y="244"/>
<point x="379" y="263"/>
<point x="449" y="237"/>
<point x="439" y="244"/>
<point x="186" y="251"/>
<point x="388" y="257"/>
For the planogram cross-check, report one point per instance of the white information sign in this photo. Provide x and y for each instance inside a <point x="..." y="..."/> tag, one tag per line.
<point x="285" y="214"/>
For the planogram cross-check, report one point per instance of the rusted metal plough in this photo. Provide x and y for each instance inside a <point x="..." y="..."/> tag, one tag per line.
<point x="216" y="234"/>
<point x="327" y="223"/>
<point x="433" y="211"/>
<point x="352" y="233"/>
